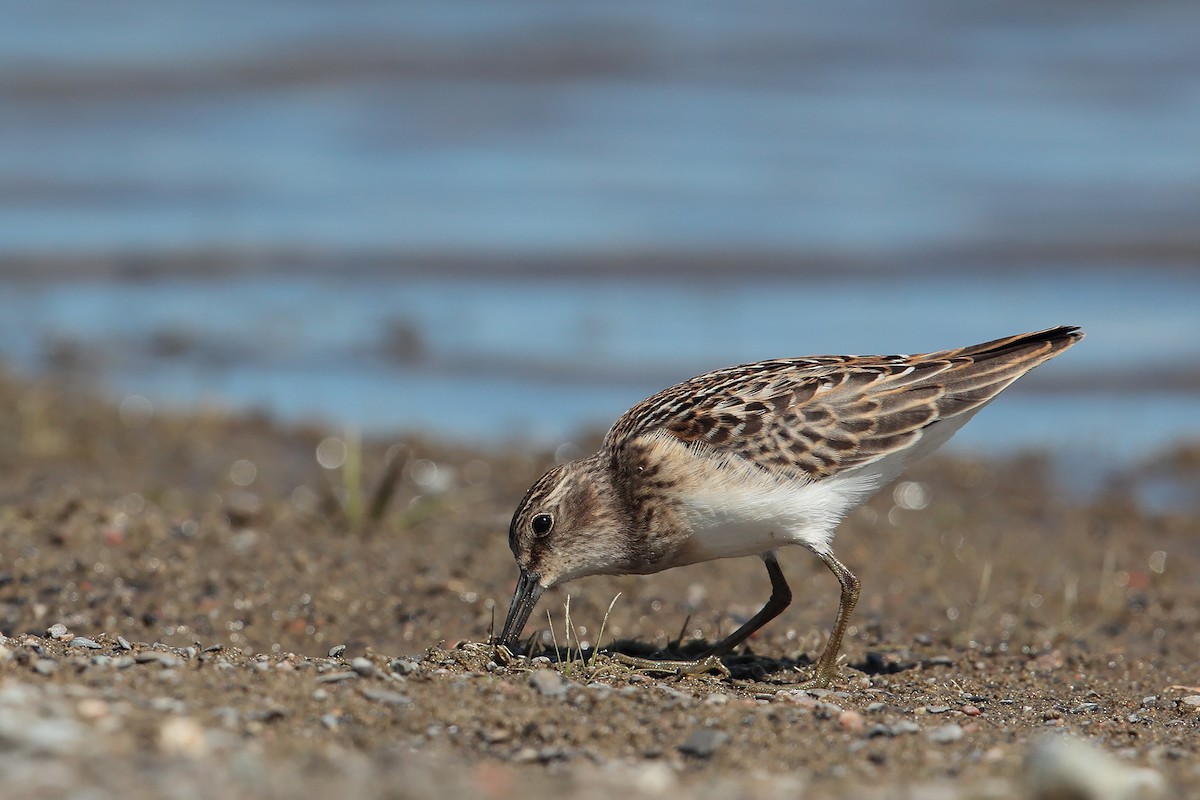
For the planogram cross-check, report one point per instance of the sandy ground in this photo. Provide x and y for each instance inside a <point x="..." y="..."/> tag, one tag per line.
<point x="193" y="605"/>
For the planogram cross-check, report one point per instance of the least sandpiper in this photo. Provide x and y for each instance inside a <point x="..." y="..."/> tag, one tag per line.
<point x="744" y="460"/>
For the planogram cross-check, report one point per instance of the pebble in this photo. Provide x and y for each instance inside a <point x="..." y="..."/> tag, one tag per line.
<point x="155" y="656"/>
<point x="363" y="666"/>
<point x="123" y="643"/>
<point x="937" y="709"/>
<point x="182" y="736"/>
<point x="875" y="708"/>
<point x="1150" y="702"/>
<point x="1063" y="767"/>
<point x="44" y="666"/>
<point x="58" y="736"/>
<point x="337" y="677"/>
<point x="548" y="683"/>
<point x="403" y="666"/>
<point x="58" y="631"/>
<point x="851" y="720"/>
<point x="828" y="711"/>
<point x="971" y="711"/>
<point x="83" y="641"/>
<point x="704" y="742"/>
<point x="1192" y="701"/>
<point x="269" y="714"/>
<point x="386" y="696"/>
<point x="92" y="708"/>
<point x="879" y="729"/>
<point x="946" y="734"/>
<point x="905" y="726"/>
<point x="337" y="650"/>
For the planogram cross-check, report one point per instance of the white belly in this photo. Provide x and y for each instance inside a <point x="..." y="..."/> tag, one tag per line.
<point x="746" y="515"/>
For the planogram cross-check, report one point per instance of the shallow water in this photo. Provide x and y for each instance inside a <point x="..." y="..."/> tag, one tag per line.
<point x="544" y="359"/>
<point x="941" y="174"/>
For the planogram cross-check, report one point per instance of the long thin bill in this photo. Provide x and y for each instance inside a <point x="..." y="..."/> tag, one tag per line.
<point x="524" y="599"/>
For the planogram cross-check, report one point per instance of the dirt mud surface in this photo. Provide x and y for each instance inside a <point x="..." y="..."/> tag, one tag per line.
<point x="194" y="605"/>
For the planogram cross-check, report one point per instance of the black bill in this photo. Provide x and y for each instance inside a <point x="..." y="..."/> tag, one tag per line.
<point x="524" y="599"/>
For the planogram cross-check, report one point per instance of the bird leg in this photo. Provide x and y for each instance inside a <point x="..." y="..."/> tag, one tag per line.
<point x="781" y="596"/>
<point x="827" y="663"/>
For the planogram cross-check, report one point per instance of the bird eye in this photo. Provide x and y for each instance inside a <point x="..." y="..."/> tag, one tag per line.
<point x="541" y="524"/>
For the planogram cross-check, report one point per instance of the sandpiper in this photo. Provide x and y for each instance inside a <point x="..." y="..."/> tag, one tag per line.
<point x="744" y="460"/>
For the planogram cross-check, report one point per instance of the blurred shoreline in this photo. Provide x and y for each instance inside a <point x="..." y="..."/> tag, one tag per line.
<point x="1082" y="258"/>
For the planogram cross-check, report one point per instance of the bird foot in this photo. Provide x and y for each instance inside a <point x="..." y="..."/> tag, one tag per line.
<point x="700" y="666"/>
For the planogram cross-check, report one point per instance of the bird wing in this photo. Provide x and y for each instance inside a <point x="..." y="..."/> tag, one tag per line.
<point x="811" y="418"/>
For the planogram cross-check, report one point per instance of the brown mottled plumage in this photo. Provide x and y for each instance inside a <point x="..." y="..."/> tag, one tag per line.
<point x="744" y="460"/>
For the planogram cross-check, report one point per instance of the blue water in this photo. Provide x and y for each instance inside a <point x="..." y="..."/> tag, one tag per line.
<point x="940" y="172"/>
<point x="866" y="126"/>
<point x="538" y="359"/>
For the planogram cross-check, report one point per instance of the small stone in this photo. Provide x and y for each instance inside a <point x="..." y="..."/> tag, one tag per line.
<point x="716" y="700"/>
<point x="875" y="708"/>
<point x="937" y="709"/>
<point x="83" y="641"/>
<point x="525" y="755"/>
<point x="1083" y="708"/>
<point x="337" y="650"/>
<point x="337" y="677"/>
<point x="1192" y="701"/>
<point x="828" y="710"/>
<point x="971" y="711"/>
<point x="704" y="742"/>
<point x="851" y="720"/>
<point x="166" y="660"/>
<point x="44" y="666"/>
<point x="269" y="714"/>
<point x="1062" y="767"/>
<point x="541" y="661"/>
<point x="123" y="643"/>
<point x="330" y="720"/>
<point x="92" y="708"/>
<point x="1150" y="702"/>
<point x="946" y="734"/>
<point x="363" y="666"/>
<point x="58" y="631"/>
<point x="403" y="666"/>
<point x="386" y="696"/>
<point x="548" y="683"/>
<point x="182" y="736"/>
<point x="905" y="726"/>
